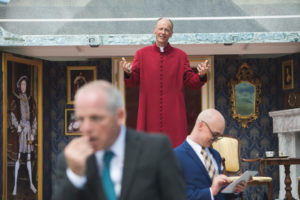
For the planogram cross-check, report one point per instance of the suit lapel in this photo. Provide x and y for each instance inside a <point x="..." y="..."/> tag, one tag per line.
<point x="94" y="184"/>
<point x="132" y="148"/>
<point x="190" y="151"/>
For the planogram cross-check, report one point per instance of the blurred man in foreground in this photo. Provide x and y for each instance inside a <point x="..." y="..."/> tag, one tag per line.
<point x="110" y="161"/>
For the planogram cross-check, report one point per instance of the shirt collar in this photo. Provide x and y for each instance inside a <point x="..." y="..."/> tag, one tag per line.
<point x="118" y="147"/>
<point x="194" y="145"/>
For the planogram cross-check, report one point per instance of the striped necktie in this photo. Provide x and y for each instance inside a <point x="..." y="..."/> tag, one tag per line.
<point x="107" y="183"/>
<point x="208" y="164"/>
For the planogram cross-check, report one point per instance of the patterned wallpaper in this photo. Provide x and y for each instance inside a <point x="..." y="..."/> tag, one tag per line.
<point x="296" y="60"/>
<point x="258" y="137"/>
<point x="255" y="140"/>
<point x="55" y="91"/>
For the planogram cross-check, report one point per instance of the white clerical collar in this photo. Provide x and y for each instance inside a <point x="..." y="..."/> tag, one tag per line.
<point x="161" y="49"/>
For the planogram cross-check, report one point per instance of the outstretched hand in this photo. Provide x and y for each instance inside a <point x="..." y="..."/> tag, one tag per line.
<point x="203" y="68"/>
<point x="126" y="65"/>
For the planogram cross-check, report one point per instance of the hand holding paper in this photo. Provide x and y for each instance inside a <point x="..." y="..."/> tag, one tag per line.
<point x="218" y="182"/>
<point x="244" y="177"/>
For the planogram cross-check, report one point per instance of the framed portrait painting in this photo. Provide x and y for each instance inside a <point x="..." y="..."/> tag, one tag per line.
<point x="22" y="128"/>
<point x="288" y="75"/>
<point x="71" y="124"/>
<point x="77" y="76"/>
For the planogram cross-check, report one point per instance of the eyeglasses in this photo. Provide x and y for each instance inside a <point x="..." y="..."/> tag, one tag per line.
<point x="216" y="135"/>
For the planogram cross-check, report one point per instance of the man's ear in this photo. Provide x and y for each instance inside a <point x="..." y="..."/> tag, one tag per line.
<point x="121" y="115"/>
<point x="199" y="125"/>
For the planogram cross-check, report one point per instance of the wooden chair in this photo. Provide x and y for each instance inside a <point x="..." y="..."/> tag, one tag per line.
<point x="229" y="148"/>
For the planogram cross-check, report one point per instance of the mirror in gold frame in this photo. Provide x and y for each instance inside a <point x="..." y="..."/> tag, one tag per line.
<point x="245" y="97"/>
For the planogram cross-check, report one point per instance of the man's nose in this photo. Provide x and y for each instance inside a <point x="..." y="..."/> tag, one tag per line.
<point x="85" y="126"/>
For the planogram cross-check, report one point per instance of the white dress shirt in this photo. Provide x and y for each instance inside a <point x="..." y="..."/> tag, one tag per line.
<point x="197" y="148"/>
<point x="116" y="165"/>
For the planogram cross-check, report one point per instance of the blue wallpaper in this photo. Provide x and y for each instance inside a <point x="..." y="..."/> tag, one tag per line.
<point x="47" y="142"/>
<point x="55" y="102"/>
<point x="258" y="137"/>
<point x="296" y="59"/>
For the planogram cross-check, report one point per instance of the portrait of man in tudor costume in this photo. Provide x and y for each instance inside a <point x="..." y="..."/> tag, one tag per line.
<point x="22" y="125"/>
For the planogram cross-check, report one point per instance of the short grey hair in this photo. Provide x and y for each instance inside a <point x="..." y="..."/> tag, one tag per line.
<point x="114" y="99"/>
<point x="161" y="18"/>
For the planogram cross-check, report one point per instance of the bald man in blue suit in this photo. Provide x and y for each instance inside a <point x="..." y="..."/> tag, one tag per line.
<point x="209" y="126"/>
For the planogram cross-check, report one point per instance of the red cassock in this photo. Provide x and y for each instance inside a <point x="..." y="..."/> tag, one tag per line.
<point x="162" y="77"/>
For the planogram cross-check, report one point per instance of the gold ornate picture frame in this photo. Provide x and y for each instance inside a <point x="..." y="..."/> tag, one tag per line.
<point x="133" y="93"/>
<point x="287" y="75"/>
<point x="207" y="90"/>
<point x="71" y="124"/>
<point x="78" y="76"/>
<point x="22" y="128"/>
<point x="245" y="91"/>
<point x="118" y="73"/>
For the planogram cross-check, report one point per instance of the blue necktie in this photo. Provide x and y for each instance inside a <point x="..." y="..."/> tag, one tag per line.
<point x="107" y="183"/>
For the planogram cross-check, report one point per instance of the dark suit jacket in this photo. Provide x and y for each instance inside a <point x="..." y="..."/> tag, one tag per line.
<point x="195" y="174"/>
<point x="151" y="172"/>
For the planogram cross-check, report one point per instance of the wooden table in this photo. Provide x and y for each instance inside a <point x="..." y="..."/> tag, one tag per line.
<point x="286" y="161"/>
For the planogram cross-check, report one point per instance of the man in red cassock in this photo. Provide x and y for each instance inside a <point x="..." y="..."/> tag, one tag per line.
<point x="162" y="71"/>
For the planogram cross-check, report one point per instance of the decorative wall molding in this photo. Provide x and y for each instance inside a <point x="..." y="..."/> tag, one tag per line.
<point x="10" y="39"/>
<point x="285" y="121"/>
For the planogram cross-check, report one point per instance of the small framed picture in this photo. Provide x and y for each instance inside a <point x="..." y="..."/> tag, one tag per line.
<point x="288" y="75"/>
<point x="71" y="124"/>
<point x="77" y="76"/>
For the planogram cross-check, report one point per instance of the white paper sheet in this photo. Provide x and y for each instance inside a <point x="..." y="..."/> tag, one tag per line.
<point x="244" y="177"/>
